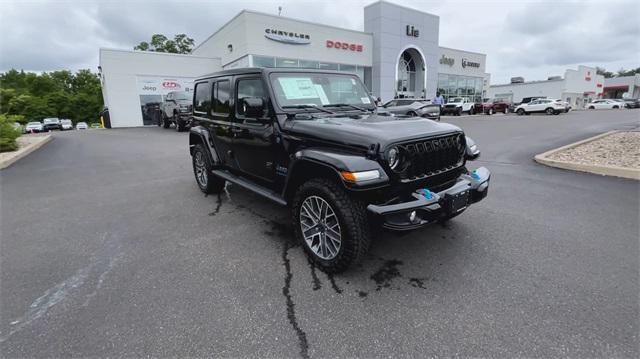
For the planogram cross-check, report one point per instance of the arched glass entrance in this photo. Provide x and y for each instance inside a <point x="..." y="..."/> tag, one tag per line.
<point x="410" y="74"/>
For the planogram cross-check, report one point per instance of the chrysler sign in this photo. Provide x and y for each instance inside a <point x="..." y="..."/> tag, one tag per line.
<point x="287" y="37"/>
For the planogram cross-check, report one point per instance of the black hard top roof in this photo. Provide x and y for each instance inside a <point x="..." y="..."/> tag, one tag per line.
<point x="268" y="70"/>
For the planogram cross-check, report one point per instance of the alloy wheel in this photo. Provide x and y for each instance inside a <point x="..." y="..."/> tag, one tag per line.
<point x="320" y="227"/>
<point x="201" y="169"/>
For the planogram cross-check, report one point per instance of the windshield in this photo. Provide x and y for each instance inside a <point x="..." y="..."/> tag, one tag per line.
<point x="182" y="96"/>
<point x="49" y="120"/>
<point x="66" y="122"/>
<point x="310" y="89"/>
<point x="33" y="124"/>
<point x="456" y="99"/>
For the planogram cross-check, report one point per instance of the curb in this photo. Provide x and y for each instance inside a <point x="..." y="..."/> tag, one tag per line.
<point x="614" y="171"/>
<point x="23" y="152"/>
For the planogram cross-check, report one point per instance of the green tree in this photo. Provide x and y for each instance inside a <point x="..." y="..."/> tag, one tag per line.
<point x="8" y="133"/>
<point x="181" y="44"/>
<point x="603" y="72"/>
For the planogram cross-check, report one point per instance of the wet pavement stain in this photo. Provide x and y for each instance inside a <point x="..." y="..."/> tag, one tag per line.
<point x="333" y="283"/>
<point x="362" y="294"/>
<point x="418" y="282"/>
<point x="385" y="274"/>
<point x="291" y="312"/>
<point x="317" y="285"/>
<point x="218" y="205"/>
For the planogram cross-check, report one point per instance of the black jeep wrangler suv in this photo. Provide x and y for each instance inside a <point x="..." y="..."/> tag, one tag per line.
<point x="313" y="140"/>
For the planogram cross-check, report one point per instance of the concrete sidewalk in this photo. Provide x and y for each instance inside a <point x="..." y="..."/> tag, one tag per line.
<point x="27" y="144"/>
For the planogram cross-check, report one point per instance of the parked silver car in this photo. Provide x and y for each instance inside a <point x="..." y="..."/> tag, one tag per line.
<point x="417" y="107"/>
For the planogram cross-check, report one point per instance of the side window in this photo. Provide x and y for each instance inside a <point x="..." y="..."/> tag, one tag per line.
<point x="221" y="97"/>
<point x="250" y="88"/>
<point x="203" y="97"/>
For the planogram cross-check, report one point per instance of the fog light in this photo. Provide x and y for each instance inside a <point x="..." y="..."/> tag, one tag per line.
<point x="412" y="216"/>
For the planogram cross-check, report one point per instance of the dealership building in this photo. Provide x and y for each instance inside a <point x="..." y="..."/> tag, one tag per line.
<point x="397" y="55"/>
<point x="578" y="87"/>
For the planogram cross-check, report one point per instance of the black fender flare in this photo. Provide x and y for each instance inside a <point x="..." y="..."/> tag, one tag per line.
<point x="334" y="162"/>
<point x="200" y="135"/>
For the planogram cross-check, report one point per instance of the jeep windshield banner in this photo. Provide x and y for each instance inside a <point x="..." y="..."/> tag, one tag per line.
<point x="153" y="90"/>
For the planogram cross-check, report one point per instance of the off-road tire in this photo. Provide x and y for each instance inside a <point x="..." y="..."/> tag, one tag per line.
<point x="214" y="184"/>
<point x="352" y="217"/>
<point x="179" y="123"/>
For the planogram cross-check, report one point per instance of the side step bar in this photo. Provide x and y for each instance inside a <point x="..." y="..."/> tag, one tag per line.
<point x="265" y="192"/>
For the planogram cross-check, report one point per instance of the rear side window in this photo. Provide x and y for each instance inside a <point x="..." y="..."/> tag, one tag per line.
<point x="221" y="97"/>
<point x="203" y="97"/>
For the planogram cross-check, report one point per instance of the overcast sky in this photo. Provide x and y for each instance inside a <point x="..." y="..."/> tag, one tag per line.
<point x="521" y="38"/>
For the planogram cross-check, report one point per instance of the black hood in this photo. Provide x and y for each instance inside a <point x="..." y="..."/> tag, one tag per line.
<point x="369" y="129"/>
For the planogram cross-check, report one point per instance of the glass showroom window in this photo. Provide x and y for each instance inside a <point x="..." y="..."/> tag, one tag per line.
<point x="286" y="62"/>
<point x="327" y="66"/>
<point x="308" y="64"/>
<point x="263" y="61"/>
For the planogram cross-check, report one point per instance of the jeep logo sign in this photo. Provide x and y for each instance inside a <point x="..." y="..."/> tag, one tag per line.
<point x="466" y="63"/>
<point x="447" y="61"/>
<point x="286" y="37"/>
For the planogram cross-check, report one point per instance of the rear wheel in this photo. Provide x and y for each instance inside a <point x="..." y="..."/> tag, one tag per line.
<point x="332" y="226"/>
<point x="549" y="111"/>
<point x="591" y="108"/>
<point x="490" y="112"/>
<point x="616" y="107"/>
<point x="207" y="181"/>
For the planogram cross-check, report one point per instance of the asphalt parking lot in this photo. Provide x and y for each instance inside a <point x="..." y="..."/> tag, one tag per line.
<point x="109" y="249"/>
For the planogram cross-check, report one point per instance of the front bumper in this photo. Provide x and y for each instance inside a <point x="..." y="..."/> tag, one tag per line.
<point x="448" y="110"/>
<point x="428" y="207"/>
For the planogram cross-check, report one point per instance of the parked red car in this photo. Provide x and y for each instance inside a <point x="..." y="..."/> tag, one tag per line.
<point x="492" y="106"/>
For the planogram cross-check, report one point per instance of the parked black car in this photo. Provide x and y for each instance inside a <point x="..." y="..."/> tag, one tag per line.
<point x="313" y="140"/>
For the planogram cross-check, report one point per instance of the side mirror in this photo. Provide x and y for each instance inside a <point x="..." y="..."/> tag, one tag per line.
<point x="253" y="107"/>
<point x="472" y="152"/>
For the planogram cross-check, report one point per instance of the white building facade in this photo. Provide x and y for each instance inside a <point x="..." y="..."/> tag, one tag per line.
<point x="577" y="87"/>
<point x="397" y="55"/>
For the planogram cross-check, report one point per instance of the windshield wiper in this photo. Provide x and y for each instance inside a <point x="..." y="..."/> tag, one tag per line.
<point x="346" y="105"/>
<point x="308" y="107"/>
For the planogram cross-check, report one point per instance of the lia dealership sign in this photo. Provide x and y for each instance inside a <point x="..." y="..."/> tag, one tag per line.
<point x="287" y="37"/>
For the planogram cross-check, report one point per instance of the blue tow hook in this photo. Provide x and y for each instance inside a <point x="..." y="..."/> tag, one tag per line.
<point x="475" y="176"/>
<point x="427" y="194"/>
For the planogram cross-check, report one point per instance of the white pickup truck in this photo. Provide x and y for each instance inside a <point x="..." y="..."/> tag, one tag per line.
<point x="457" y="106"/>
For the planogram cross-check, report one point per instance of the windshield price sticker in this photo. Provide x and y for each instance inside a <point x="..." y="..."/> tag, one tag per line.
<point x="365" y="100"/>
<point x="302" y="88"/>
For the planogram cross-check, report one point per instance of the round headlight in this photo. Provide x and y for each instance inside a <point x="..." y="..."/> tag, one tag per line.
<point x="393" y="157"/>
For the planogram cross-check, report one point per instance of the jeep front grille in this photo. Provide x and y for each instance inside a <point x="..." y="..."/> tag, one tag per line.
<point x="433" y="156"/>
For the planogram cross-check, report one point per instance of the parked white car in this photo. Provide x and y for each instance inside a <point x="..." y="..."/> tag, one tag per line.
<point x="604" y="104"/>
<point x="33" y="127"/>
<point x="66" y="125"/>
<point x="457" y="106"/>
<point x="542" y="105"/>
<point x="82" y="126"/>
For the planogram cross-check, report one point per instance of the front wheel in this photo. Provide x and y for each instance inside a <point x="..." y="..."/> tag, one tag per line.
<point x="472" y="111"/>
<point x="412" y="114"/>
<point x="591" y="108"/>
<point x="459" y="111"/>
<point x="520" y="112"/>
<point x="207" y="181"/>
<point x="331" y="226"/>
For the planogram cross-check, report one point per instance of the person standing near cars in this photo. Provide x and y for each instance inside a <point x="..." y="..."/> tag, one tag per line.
<point x="438" y="100"/>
